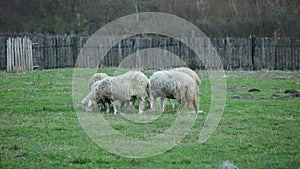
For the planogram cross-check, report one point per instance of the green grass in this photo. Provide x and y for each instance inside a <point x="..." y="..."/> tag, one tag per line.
<point x="39" y="126"/>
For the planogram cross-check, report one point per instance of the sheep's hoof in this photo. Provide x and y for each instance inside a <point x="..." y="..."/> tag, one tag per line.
<point x="178" y="111"/>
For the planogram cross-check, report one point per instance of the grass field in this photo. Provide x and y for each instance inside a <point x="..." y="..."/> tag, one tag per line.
<point x="39" y="126"/>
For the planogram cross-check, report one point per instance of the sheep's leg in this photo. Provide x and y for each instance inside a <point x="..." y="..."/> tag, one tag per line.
<point x="141" y="106"/>
<point x="102" y="105"/>
<point x="162" y="104"/>
<point x="195" y="106"/>
<point x="181" y="105"/>
<point x="115" y="107"/>
<point x="150" y="104"/>
<point x="153" y="103"/>
<point x="133" y="103"/>
<point x="122" y="104"/>
<point x="107" y="107"/>
<point x="172" y="104"/>
<point x="129" y="105"/>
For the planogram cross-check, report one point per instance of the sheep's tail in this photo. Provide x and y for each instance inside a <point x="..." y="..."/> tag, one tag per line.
<point x="198" y="81"/>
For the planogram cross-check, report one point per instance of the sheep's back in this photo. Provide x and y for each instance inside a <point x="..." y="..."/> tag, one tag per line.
<point x="190" y="72"/>
<point x="96" y="77"/>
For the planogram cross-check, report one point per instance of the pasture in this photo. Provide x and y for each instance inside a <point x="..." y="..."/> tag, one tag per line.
<point x="39" y="126"/>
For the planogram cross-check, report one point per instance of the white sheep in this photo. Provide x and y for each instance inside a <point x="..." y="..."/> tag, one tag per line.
<point x="174" y="85"/>
<point x="96" y="77"/>
<point x="93" y="80"/>
<point x="191" y="73"/>
<point x="131" y="85"/>
<point x="104" y="102"/>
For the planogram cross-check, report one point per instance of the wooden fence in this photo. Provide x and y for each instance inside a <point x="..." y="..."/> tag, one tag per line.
<point x="235" y="53"/>
<point x="19" y="54"/>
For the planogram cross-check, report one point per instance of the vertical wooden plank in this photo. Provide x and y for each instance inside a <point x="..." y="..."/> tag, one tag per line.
<point x="14" y="54"/>
<point x="48" y="52"/>
<point x="30" y="54"/>
<point x="20" y="51"/>
<point x="45" y="53"/>
<point x="68" y="51"/>
<point x="8" y="54"/>
<point x="24" y="54"/>
<point x="292" y="54"/>
<point x="55" y="51"/>
<point x="51" y="55"/>
<point x="58" y="45"/>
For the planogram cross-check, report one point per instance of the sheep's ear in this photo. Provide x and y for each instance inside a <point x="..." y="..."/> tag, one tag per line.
<point x="90" y="103"/>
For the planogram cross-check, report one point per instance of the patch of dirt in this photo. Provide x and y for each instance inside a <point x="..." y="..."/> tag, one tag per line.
<point x="291" y="91"/>
<point x="245" y="96"/>
<point x="234" y="88"/>
<point x="288" y="93"/>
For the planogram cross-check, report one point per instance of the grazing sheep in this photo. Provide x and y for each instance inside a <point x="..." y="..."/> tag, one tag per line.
<point x="126" y="87"/>
<point x="96" y="77"/>
<point x="190" y="72"/>
<point x="174" y="85"/>
<point x="104" y="102"/>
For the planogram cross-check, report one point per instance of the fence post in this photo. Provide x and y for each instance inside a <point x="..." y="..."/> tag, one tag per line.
<point x="253" y="45"/>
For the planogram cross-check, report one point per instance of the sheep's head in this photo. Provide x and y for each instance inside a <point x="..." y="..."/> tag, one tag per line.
<point x="88" y="103"/>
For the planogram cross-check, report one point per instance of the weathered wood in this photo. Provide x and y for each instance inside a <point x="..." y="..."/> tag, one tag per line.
<point x="235" y="53"/>
<point x="19" y="54"/>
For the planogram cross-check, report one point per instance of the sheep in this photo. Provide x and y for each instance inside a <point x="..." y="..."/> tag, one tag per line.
<point x="131" y="85"/>
<point x="93" y="80"/>
<point x="191" y="73"/>
<point x="173" y="85"/>
<point x="96" y="77"/>
<point x="104" y="102"/>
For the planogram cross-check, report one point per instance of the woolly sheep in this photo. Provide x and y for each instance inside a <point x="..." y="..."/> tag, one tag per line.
<point x="131" y="85"/>
<point x="191" y="73"/>
<point x="96" y="77"/>
<point x="104" y="102"/>
<point x="174" y="85"/>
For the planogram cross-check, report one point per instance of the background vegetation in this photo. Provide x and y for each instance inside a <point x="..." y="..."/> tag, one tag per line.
<point x="235" y="18"/>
